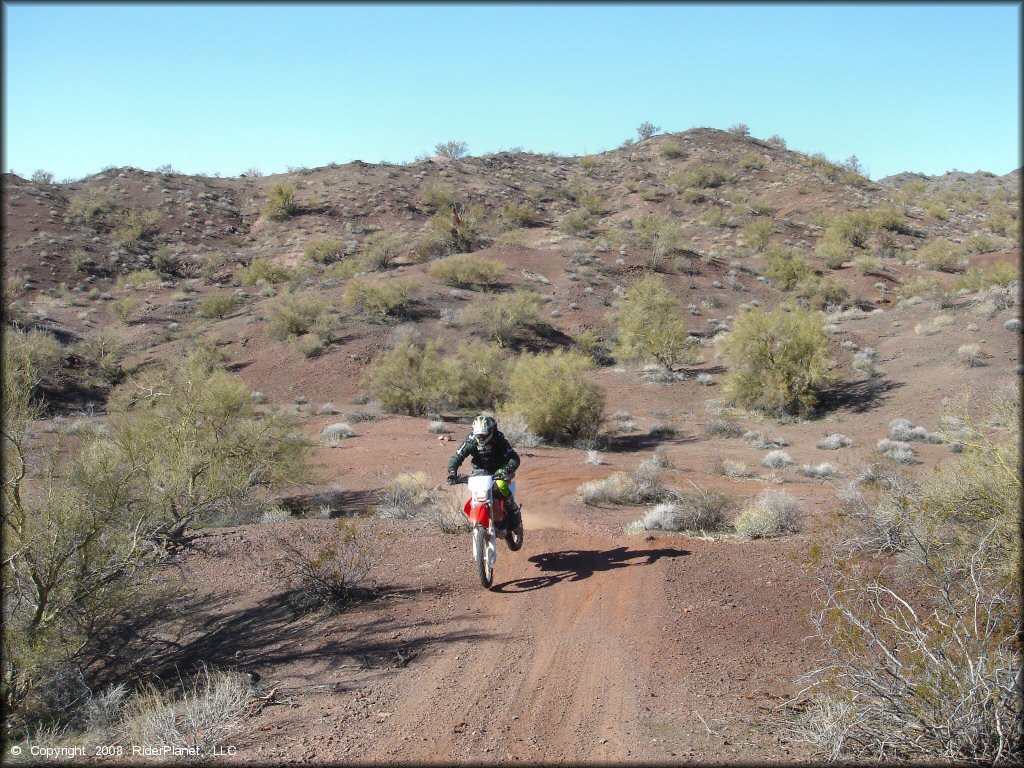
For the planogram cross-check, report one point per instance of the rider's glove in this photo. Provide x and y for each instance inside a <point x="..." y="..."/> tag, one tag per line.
<point x="452" y="477"/>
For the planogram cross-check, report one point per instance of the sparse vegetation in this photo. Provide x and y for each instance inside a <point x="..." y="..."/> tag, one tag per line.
<point x="323" y="250"/>
<point x="326" y="572"/>
<point x="378" y="299"/>
<point x="298" y="314"/>
<point x="280" y="204"/>
<point x="468" y="270"/>
<point x="551" y="391"/>
<point x="778" y="360"/>
<point x="770" y="514"/>
<point x="505" y="316"/>
<point x="264" y="271"/>
<point x="643" y="485"/>
<point x="648" y="325"/>
<point x="452" y="150"/>
<point x="217" y="304"/>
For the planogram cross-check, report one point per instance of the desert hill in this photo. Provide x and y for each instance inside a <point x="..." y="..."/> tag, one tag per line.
<point x="613" y="634"/>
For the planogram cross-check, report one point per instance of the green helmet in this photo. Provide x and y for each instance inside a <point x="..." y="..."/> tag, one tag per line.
<point x="484" y="428"/>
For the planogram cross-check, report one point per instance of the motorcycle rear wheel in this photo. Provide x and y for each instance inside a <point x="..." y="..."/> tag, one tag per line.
<point x="484" y="568"/>
<point x="514" y="538"/>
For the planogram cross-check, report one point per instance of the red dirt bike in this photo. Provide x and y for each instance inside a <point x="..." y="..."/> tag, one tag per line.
<point x="485" y="509"/>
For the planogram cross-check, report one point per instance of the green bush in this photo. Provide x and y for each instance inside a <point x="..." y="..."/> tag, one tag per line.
<point x="452" y="150"/>
<point x="671" y="149"/>
<point x="408" y="379"/>
<point x="138" y="279"/>
<point x="382" y="249"/>
<point x="280" y="204"/>
<point x="467" y="270"/>
<point x="378" y="299"/>
<point x="551" y="391"/>
<point x="758" y="233"/>
<point x="515" y="215"/>
<point x="817" y="292"/>
<point x="701" y="177"/>
<point x="786" y="267"/>
<point x="296" y="314"/>
<point x="979" y="278"/>
<point x="85" y="530"/>
<point x="453" y="230"/>
<point x="217" y="304"/>
<point x="323" y="250"/>
<point x="92" y="210"/>
<point x="940" y="255"/>
<point x="648" y="325"/>
<point x="437" y="197"/>
<point x="778" y="360"/>
<point x="476" y="376"/>
<point x="132" y="228"/>
<point x="124" y="308"/>
<point x="924" y="661"/>
<point x="264" y="271"/>
<point x="662" y="236"/>
<point x="507" y="316"/>
<point x="579" y="223"/>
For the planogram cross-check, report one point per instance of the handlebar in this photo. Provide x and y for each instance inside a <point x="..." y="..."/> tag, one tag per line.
<point x="461" y="479"/>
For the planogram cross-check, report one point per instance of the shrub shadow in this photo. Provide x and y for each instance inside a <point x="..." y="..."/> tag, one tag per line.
<point x="858" y="396"/>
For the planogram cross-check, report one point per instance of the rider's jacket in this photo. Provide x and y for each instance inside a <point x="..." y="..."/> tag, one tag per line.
<point x="496" y="454"/>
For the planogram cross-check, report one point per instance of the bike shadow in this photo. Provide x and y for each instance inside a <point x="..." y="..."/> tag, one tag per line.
<point x="576" y="565"/>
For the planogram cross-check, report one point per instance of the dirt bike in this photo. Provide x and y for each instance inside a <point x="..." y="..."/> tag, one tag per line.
<point x="485" y="509"/>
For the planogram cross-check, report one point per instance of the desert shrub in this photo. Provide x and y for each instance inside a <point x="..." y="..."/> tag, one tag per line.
<point x="819" y="470"/>
<point x="662" y="236"/>
<point x="970" y="355"/>
<point x="407" y="379"/>
<point x="980" y="278"/>
<point x="671" y="149"/>
<point x="452" y="230"/>
<point x="518" y="432"/>
<point x="833" y="442"/>
<point x="648" y="325"/>
<point x="133" y="228"/>
<point x="406" y="496"/>
<point x="579" y="222"/>
<point x="468" y="270"/>
<point x="504" y="318"/>
<point x="786" y="267"/>
<point x="124" y="308"/>
<point x="757" y="234"/>
<point x="326" y="570"/>
<point x="84" y="528"/>
<point x="92" y="210"/>
<point x="770" y="514"/>
<point x="778" y="360"/>
<point x="217" y="304"/>
<point x="776" y="460"/>
<point x="437" y="197"/>
<point x="102" y="350"/>
<point x="940" y="255"/>
<point x="378" y="299"/>
<point x="952" y="690"/>
<point x="981" y="243"/>
<point x="729" y="468"/>
<point x="722" y="428"/>
<point x="646" y="129"/>
<point x="867" y="265"/>
<point x="904" y="429"/>
<point x="280" y="203"/>
<point x="333" y="434"/>
<point x="817" y="293"/>
<point x="752" y="162"/>
<point x="475" y="375"/>
<point x="382" y="249"/>
<point x="762" y="443"/>
<point x="897" y="450"/>
<point x="642" y="485"/>
<point x="453" y="150"/>
<point x="297" y="314"/>
<point x="701" y="177"/>
<point x="138" y="279"/>
<point x="515" y="215"/>
<point x="703" y="510"/>
<point x="739" y="129"/>
<point x="324" y="250"/>
<point x="552" y="393"/>
<point x="265" y="271"/>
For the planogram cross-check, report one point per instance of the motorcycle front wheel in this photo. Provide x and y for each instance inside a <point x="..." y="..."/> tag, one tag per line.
<point x="484" y="568"/>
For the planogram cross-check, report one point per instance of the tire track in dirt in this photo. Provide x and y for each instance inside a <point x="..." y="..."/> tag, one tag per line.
<point x="557" y="680"/>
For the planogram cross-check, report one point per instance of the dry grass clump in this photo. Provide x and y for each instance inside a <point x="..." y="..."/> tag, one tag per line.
<point x="776" y="460"/>
<point x="468" y="270"/>
<point x="970" y="355"/>
<point x="897" y="450"/>
<point x="722" y="428"/>
<point x="833" y="442"/>
<point x="729" y="468"/>
<point x="762" y="443"/>
<point x="517" y="431"/>
<point x="643" y="485"/>
<point x="333" y="434"/>
<point x="904" y="429"/>
<point x="770" y="514"/>
<point x="702" y="511"/>
<point x="822" y="471"/>
<point x="933" y="326"/>
<point x="406" y="496"/>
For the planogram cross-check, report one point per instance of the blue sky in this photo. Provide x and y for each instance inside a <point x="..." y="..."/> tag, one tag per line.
<point x="222" y="88"/>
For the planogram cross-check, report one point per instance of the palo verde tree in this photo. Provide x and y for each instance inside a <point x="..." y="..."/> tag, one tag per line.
<point x="648" y="325"/>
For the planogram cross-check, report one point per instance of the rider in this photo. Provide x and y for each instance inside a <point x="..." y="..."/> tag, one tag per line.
<point x="492" y="453"/>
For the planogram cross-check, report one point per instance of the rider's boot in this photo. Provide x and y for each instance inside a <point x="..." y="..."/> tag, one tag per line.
<point x="513" y="520"/>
